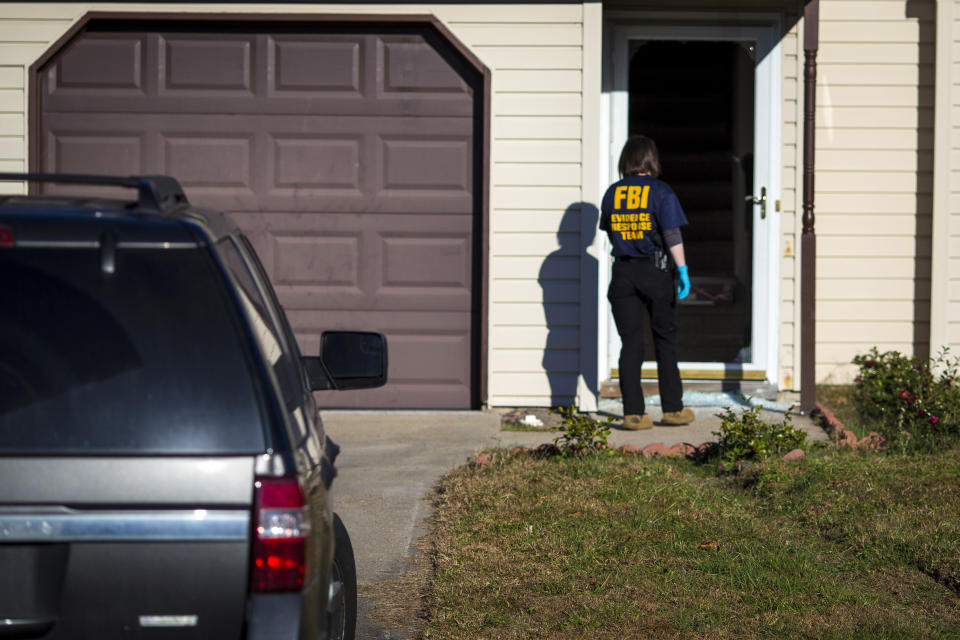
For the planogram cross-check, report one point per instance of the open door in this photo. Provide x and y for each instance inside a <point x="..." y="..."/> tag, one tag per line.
<point x="708" y="95"/>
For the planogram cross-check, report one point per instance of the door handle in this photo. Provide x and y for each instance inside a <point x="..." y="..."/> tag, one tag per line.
<point x="762" y="201"/>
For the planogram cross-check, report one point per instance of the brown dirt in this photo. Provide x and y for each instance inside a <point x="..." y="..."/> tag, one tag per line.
<point x="399" y="604"/>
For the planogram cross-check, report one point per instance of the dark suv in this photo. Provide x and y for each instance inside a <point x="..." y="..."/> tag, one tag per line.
<point x="163" y="469"/>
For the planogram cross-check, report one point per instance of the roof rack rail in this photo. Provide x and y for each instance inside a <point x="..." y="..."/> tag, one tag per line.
<point x="155" y="194"/>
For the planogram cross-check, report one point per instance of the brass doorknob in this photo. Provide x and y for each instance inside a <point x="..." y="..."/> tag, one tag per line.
<point x="762" y="201"/>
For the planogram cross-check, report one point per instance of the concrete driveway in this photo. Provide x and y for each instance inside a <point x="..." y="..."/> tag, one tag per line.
<point x="388" y="464"/>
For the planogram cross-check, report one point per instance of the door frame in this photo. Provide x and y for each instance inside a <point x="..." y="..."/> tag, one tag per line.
<point x="763" y="29"/>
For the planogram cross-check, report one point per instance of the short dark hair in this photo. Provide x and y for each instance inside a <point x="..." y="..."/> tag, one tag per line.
<point x="639" y="155"/>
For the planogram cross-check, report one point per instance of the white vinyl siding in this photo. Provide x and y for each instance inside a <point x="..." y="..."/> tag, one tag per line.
<point x="13" y="137"/>
<point x="951" y="332"/>
<point x="788" y="377"/>
<point x="874" y="180"/>
<point x="535" y="244"/>
<point x="21" y="41"/>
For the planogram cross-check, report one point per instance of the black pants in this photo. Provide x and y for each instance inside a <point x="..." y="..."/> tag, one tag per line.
<point x="638" y="290"/>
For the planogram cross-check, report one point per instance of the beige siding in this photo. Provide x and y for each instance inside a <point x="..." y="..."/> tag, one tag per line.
<point x="527" y="267"/>
<point x="535" y="54"/>
<point x="788" y="377"/>
<point x="874" y="179"/>
<point x="509" y="387"/>
<point x="949" y="314"/>
<point x="13" y="137"/>
<point x="503" y="58"/>
<point x="537" y="149"/>
<point x="524" y="290"/>
<point x="18" y="41"/>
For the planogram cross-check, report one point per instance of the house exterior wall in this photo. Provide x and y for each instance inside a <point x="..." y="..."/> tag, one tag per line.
<point x="535" y="53"/>
<point x="874" y="180"/>
<point x="874" y="183"/>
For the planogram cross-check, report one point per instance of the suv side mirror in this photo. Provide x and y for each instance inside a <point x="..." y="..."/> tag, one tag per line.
<point x="348" y="360"/>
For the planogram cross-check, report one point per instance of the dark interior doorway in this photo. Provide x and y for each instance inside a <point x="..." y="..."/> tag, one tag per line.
<point x="696" y="100"/>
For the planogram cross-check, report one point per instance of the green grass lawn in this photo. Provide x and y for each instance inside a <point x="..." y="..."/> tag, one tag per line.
<point x="840" y="545"/>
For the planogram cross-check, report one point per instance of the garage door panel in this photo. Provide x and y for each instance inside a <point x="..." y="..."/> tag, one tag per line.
<point x="348" y="158"/>
<point x="427" y="298"/>
<point x="316" y="162"/>
<point x="435" y="262"/>
<point x="322" y="261"/>
<point x="414" y="106"/>
<point x="203" y="162"/>
<point x="419" y="366"/>
<point x="111" y="64"/>
<point x="310" y="323"/>
<point x="300" y="201"/>
<point x="397" y="395"/>
<point x="94" y="152"/>
<point x="418" y="164"/>
<point x="268" y="230"/>
<point x="426" y="160"/>
<point x="319" y="223"/>
<point x="370" y="269"/>
<point x="436" y="328"/>
<point x="417" y="128"/>
<point x="297" y="73"/>
<point x="226" y="73"/>
<point x="198" y="66"/>
<point x="407" y="273"/>
<point x="404" y="165"/>
<point x="413" y="66"/>
<point x="333" y="298"/>
<point x="424" y="359"/>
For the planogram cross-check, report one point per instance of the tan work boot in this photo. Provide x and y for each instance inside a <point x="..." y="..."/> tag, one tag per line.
<point x="677" y="418"/>
<point x="637" y="422"/>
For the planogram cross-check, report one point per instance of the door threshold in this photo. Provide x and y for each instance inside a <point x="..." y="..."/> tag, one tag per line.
<point x="610" y="388"/>
<point x="729" y="372"/>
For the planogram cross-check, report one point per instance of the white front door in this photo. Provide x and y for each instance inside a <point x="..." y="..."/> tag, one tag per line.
<point x="708" y="92"/>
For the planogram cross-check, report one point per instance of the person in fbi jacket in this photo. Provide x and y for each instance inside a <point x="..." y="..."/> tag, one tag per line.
<point x="642" y="217"/>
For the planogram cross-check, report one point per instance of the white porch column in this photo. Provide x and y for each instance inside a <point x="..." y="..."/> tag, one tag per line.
<point x="942" y="166"/>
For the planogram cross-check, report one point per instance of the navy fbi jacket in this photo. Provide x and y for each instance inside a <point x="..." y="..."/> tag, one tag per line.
<point x="634" y="210"/>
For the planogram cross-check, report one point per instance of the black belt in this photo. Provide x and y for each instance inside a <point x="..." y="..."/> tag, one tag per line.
<point x="632" y="258"/>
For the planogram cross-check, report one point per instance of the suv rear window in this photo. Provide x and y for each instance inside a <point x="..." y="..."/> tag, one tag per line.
<point x="145" y="360"/>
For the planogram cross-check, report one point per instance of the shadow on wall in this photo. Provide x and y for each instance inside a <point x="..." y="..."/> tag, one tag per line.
<point x="568" y="283"/>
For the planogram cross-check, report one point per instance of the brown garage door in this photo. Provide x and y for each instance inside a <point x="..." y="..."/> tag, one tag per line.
<point x="348" y="152"/>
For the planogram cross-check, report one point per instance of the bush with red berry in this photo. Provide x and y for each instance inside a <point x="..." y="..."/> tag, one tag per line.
<point x="914" y="403"/>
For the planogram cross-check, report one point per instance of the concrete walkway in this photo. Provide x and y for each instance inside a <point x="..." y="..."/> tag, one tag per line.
<point x="390" y="460"/>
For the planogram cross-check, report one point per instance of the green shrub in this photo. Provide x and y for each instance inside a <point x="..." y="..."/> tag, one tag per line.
<point x="580" y="433"/>
<point x="745" y="436"/>
<point x="913" y="403"/>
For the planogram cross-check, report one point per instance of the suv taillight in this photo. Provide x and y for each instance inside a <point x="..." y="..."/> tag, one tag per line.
<point x="279" y="536"/>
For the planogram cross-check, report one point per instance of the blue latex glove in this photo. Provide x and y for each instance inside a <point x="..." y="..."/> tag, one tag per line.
<point x="683" y="289"/>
